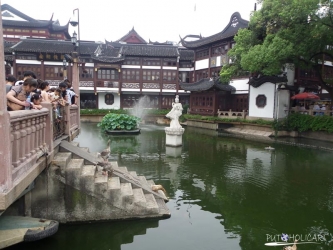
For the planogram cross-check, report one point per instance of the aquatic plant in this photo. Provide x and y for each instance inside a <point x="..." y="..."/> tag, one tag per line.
<point x="118" y="122"/>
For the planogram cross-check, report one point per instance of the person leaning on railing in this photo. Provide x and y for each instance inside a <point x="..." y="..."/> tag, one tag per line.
<point x="57" y="101"/>
<point x="18" y="98"/>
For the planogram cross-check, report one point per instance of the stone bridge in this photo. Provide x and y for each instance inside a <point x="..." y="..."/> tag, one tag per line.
<point x="29" y="138"/>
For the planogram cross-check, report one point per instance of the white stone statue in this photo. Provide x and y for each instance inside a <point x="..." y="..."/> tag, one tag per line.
<point x="175" y="113"/>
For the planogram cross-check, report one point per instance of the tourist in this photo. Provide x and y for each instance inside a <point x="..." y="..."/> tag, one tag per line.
<point x="26" y="75"/>
<point x="45" y="86"/>
<point x="70" y="93"/>
<point x="10" y="81"/>
<point x="323" y="108"/>
<point x="63" y="88"/>
<point x="57" y="102"/>
<point x="18" y="97"/>
<point x="36" y="99"/>
<point x="316" y="107"/>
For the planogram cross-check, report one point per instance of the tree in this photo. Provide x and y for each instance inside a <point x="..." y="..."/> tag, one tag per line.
<point x="285" y="32"/>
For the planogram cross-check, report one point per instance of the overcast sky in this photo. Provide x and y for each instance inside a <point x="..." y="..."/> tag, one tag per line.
<point x="157" y="20"/>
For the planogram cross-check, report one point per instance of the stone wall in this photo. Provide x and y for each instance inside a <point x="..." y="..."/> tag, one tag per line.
<point x="202" y="124"/>
<point x="155" y="119"/>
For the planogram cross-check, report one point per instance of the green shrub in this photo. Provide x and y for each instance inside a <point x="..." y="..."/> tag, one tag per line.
<point x="157" y="111"/>
<point x="118" y="122"/>
<point x="302" y="123"/>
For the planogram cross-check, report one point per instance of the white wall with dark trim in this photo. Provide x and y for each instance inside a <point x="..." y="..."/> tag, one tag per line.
<point x="103" y="105"/>
<point x="267" y="89"/>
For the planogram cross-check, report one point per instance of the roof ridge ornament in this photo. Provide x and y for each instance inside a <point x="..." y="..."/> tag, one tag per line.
<point x="234" y="22"/>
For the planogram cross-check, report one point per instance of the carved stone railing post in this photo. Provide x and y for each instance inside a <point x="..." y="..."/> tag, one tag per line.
<point x="68" y="120"/>
<point x="49" y="125"/>
<point x="16" y="143"/>
<point x="23" y="144"/>
<point x="33" y="135"/>
<point x="37" y="133"/>
<point x="28" y="139"/>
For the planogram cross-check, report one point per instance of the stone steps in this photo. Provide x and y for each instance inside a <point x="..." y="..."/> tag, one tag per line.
<point x="126" y="200"/>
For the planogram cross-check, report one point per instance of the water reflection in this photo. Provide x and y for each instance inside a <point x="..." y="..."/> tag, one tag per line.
<point x="226" y="193"/>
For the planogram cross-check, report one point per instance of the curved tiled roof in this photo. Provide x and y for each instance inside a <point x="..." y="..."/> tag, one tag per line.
<point x="149" y="50"/>
<point x="206" y="84"/>
<point x="7" y="46"/>
<point x="132" y="32"/>
<point x="257" y="82"/>
<point x="16" y="12"/>
<point x="158" y="43"/>
<point x="31" y="22"/>
<point x="236" y="22"/>
<point x="107" y="50"/>
<point x="186" y="55"/>
<point x="53" y="46"/>
<point x="108" y="59"/>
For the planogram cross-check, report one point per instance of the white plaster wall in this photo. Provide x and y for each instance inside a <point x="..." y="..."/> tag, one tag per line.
<point x="218" y="61"/>
<point x="101" y="101"/>
<point x="241" y="85"/>
<point x="151" y="67"/>
<point x="130" y="66"/>
<point x="169" y="68"/>
<point x="202" y="64"/>
<point x="282" y="103"/>
<point x="267" y="89"/>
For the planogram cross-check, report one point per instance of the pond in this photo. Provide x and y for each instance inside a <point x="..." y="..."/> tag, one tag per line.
<point x="225" y="193"/>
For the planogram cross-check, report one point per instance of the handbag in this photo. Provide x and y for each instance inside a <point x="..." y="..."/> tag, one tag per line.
<point x="12" y="106"/>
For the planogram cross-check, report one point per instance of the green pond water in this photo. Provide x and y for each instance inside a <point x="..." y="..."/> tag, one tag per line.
<point x="225" y="193"/>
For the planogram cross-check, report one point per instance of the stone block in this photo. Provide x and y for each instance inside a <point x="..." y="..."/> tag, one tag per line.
<point x="73" y="171"/>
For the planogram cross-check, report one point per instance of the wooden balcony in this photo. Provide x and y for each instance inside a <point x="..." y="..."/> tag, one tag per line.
<point x="31" y="148"/>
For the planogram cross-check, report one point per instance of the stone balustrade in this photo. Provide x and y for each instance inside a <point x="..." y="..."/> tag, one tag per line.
<point x="28" y="139"/>
<point x="31" y="137"/>
<point x="231" y="114"/>
<point x="73" y="119"/>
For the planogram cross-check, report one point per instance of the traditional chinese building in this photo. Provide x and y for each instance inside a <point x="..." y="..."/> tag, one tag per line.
<point x="115" y="74"/>
<point x="210" y="54"/>
<point x="112" y="74"/>
<point x="16" y="25"/>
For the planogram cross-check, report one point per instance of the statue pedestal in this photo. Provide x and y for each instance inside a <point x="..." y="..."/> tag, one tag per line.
<point x="174" y="136"/>
<point x="173" y="151"/>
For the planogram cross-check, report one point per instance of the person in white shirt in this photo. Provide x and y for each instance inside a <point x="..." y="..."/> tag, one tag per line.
<point x="27" y="74"/>
<point x="316" y="107"/>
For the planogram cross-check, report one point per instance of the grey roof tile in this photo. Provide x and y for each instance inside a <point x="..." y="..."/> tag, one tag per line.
<point x="186" y="55"/>
<point x="236" y="22"/>
<point x="206" y="84"/>
<point x="258" y="81"/>
<point x="53" y="46"/>
<point x="149" y="50"/>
